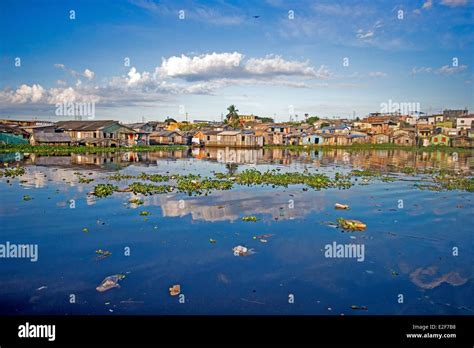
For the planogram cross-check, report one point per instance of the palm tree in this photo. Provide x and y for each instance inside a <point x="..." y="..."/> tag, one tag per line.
<point x="231" y="168"/>
<point x="233" y="115"/>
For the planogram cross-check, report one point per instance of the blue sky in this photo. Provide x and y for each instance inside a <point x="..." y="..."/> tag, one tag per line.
<point x="289" y="60"/>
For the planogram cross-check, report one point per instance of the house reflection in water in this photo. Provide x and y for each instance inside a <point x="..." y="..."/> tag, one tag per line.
<point x="231" y="205"/>
<point x="373" y="159"/>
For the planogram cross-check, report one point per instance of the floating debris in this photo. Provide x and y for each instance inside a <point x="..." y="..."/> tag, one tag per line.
<point x="240" y="250"/>
<point x="330" y="224"/>
<point x="102" y="254"/>
<point x="263" y="236"/>
<point x="85" y="230"/>
<point x="41" y="288"/>
<point x="27" y="198"/>
<point x="144" y="213"/>
<point x="263" y="241"/>
<point x="130" y="301"/>
<point x="110" y="282"/>
<point x="341" y="206"/>
<point x="355" y="307"/>
<point x="212" y="241"/>
<point x="351" y="225"/>
<point x="175" y="290"/>
<point x="252" y="301"/>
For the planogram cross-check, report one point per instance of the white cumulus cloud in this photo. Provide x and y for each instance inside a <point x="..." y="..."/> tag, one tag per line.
<point x="89" y="74"/>
<point x="26" y="94"/>
<point x="200" y="67"/>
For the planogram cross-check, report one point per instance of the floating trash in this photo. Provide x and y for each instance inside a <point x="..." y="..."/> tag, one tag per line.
<point x="144" y="213"/>
<point x="330" y="224"/>
<point x="341" y="206"/>
<point x="263" y="236"/>
<point x="212" y="241"/>
<point x="85" y="230"/>
<point x="110" y="282"/>
<point x="175" y="290"/>
<point x="351" y="225"/>
<point x="102" y="254"/>
<point x="263" y="241"/>
<point x="41" y="288"/>
<point x="355" y="307"/>
<point x="27" y="198"/>
<point x="240" y="250"/>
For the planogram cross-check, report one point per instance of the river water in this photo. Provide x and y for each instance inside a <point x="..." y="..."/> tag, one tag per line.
<point x="415" y="257"/>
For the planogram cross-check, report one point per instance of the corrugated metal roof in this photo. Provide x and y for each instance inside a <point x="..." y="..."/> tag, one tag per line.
<point x="165" y="133"/>
<point x="85" y="125"/>
<point x="52" y="137"/>
<point x="231" y="133"/>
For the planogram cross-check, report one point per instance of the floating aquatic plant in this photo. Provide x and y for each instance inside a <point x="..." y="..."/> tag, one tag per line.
<point x="104" y="190"/>
<point x="251" y="218"/>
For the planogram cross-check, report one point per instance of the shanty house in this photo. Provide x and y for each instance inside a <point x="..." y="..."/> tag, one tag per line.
<point x="50" y="138"/>
<point x="166" y="138"/>
<point x="380" y="139"/>
<point x="12" y="134"/>
<point x="236" y="139"/>
<point x="440" y="139"/>
<point x="86" y="131"/>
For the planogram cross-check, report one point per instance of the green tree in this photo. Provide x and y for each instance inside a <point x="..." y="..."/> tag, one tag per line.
<point x="312" y="119"/>
<point x="232" y="117"/>
<point x="170" y="120"/>
<point x="231" y="168"/>
<point x="266" y="119"/>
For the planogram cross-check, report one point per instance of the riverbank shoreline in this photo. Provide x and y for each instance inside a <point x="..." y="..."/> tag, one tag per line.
<point x="150" y="148"/>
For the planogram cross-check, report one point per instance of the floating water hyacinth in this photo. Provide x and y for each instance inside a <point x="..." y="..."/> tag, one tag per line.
<point x="104" y="190"/>
<point x="351" y="225"/>
<point x="249" y="218"/>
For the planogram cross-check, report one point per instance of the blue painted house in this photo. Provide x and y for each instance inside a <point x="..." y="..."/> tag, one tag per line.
<point x="311" y="139"/>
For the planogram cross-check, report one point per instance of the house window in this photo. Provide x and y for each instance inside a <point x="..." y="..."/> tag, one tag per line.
<point x="243" y="138"/>
<point x="208" y="137"/>
<point x="462" y="121"/>
<point x="444" y="139"/>
<point x="435" y="140"/>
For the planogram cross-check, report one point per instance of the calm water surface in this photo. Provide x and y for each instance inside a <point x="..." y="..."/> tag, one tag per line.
<point x="408" y="243"/>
